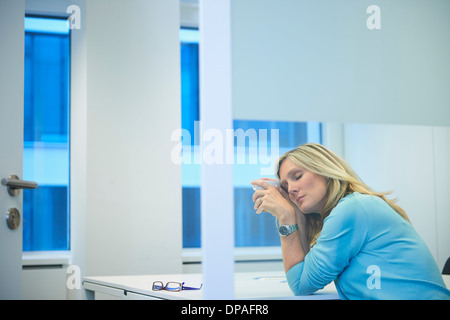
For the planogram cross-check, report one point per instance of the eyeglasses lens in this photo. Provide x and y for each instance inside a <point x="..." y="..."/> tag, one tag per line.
<point x="157" y="285"/>
<point x="173" y="286"/>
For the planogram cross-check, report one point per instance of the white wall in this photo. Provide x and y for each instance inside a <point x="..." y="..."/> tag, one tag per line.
<point x="133" y="208"/>
<point x="411" y="161"/>
<point x="317" y="61"/>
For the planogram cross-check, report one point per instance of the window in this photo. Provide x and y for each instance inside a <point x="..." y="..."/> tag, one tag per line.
<point x="46" y="134"/>
<point x="251" y="230"/>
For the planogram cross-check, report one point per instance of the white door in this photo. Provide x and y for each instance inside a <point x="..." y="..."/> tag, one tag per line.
<point x="11" y="143"/>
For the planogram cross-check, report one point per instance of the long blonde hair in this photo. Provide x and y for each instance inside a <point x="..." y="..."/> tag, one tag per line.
<point x="342" y="180"/>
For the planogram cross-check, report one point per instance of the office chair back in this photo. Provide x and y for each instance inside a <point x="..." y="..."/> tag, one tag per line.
<point x="446" y="269"/>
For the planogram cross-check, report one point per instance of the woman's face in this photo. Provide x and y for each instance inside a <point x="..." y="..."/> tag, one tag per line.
<point x="306" y="189"/>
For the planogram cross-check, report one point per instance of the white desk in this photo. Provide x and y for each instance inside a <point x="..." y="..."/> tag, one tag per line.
<point x="252" y="285"/>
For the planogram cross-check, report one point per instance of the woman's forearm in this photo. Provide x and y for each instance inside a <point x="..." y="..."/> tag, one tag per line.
<point x="294" y="247"/>
<point x="301" y="221"/>
<point x="292" y="250"/>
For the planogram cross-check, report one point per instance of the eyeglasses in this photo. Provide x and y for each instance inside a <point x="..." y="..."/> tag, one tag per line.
<point x="172" y="286"/>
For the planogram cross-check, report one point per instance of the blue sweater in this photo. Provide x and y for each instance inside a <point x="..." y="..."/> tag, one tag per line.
<point x="370" y="252"/>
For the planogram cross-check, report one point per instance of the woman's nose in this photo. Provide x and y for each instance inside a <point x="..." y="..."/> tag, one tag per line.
<point x="292" y="190"/>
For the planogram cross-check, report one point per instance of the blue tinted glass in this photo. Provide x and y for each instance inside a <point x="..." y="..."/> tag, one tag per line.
<point x="290" y="133"/>
<point x="190" y="114"/>
<point x="189" y="88"/>
<point x="252" y="230"/>
<point x="191" y="217"/>
<point x="48" y="26"/>
<point x="45" y="220"/>
<point x="46" y="87"/>
<point x="46" y="134"/>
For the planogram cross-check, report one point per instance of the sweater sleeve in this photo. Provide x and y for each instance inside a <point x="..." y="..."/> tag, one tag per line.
<point x="344" y="233"/>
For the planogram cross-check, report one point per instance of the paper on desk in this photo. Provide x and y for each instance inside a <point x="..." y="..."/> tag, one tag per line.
<point x="276" y="278"/>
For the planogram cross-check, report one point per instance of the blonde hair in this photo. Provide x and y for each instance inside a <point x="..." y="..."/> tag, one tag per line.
<point x="342" y="180"/>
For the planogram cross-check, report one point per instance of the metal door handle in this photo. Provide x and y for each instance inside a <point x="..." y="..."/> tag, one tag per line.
<point x="14" y="184"/>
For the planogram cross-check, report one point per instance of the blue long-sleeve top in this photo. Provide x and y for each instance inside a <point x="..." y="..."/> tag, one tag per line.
<point x="370" y="252"/>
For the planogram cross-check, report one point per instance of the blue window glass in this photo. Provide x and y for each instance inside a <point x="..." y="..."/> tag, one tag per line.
<point x="190" y="114"/>
<point x="46" y="134"/>
<point x="251" y="230"/>
<point x="189" y="80"/>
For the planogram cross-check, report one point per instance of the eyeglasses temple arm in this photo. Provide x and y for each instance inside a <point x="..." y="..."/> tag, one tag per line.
<point x="191" y="288"/>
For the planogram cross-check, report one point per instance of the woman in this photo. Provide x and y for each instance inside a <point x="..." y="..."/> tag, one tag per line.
<point x="335" y="228"/>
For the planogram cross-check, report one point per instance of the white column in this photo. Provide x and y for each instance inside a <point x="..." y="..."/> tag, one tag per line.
<point x="217" y="203"/>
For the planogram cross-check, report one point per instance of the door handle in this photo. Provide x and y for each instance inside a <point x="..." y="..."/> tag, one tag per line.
<point x="14" y="184"/>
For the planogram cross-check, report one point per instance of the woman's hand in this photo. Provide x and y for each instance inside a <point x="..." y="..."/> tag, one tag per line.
<point x="273" y="200"/>
<point x="276" y="201"/>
